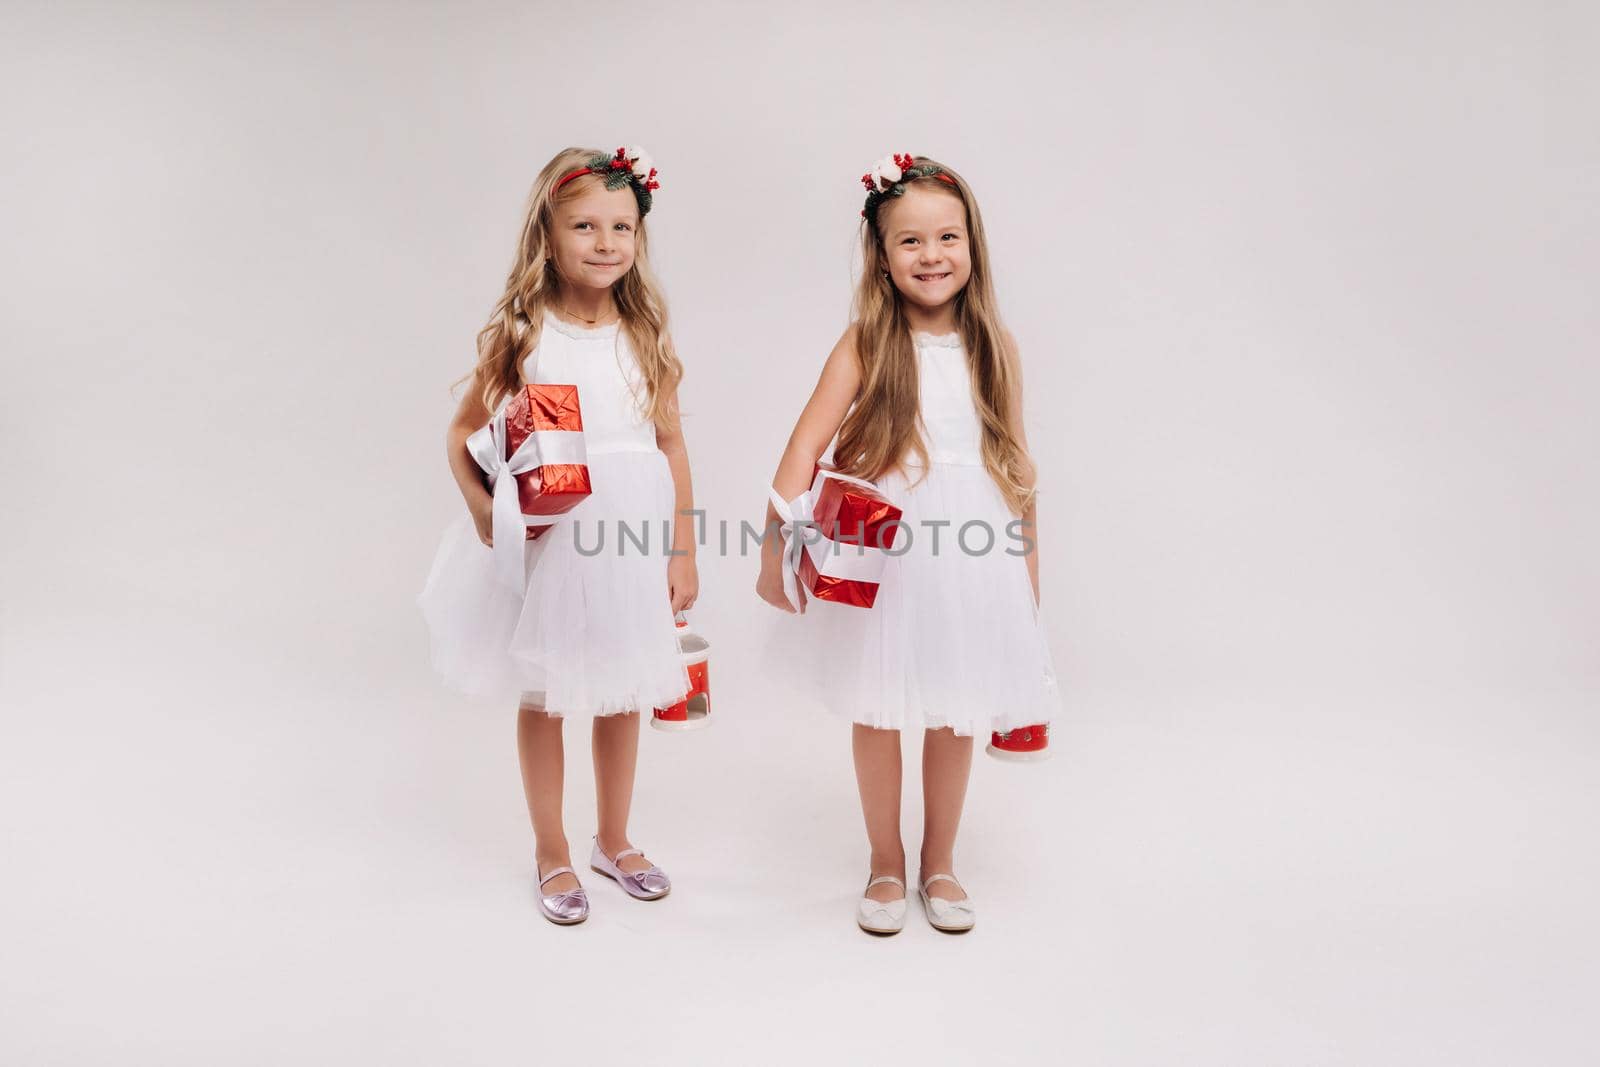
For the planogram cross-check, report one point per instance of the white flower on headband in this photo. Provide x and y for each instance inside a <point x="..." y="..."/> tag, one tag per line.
<point x="641" y="161"/>
<point x="885" y="172"/>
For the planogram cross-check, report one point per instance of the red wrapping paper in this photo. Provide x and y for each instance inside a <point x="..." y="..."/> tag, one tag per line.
<point x="849" y="515"/>
<point x="553" y="488"/>
<point x="854" y="515"/>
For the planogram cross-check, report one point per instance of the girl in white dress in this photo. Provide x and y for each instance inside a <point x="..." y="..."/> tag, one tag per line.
<point x="924" y="391"/>
<point x="588" y="630"/>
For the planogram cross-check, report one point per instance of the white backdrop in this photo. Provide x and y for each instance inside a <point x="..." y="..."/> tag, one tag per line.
<point x="1306" y="298"/>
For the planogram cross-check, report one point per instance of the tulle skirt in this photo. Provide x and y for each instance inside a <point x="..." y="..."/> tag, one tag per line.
<point x="954" y="638"/>
<point x="593" y="634"/>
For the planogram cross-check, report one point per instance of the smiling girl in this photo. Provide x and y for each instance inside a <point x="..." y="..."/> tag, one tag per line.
<point x="588" y="633"/>
<point x="924" y="391"/>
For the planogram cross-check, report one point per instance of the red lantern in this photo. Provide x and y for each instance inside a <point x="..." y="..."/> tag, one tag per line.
<point x="693" y="712"/>
<point x="1022" y="744"/>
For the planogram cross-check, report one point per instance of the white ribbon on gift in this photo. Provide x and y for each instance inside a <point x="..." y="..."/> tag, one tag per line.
<point x="509" y="525"/>
<point x="828" y="556"/>
<point x="853" y="563"/>
<point x="796" y="516"/>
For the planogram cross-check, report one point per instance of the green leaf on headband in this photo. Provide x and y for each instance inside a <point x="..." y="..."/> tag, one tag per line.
<point x="616" y="179"/>
<point x="875" y="199"/>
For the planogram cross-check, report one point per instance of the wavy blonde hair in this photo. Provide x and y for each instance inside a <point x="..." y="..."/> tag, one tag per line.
<point x="518" y="318"/>
<point x="884" y="426"/>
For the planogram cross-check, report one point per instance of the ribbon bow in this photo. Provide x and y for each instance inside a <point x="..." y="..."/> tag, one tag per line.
<point x="488" y="447"/>
<point x="947" y="909"/>
<point x="796" y="515"/>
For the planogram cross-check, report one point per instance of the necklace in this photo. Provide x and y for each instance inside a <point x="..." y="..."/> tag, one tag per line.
<point x="581" y="318"/>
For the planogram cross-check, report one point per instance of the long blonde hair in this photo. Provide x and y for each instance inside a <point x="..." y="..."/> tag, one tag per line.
<point x="515" y="324"/>
<point x="884" y="426"/>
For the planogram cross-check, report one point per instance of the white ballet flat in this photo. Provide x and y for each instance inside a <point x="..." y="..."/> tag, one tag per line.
<point x="882" y="916"/>
<point x="951" y="916"/>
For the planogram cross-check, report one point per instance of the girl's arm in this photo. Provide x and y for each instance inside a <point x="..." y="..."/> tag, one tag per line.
<point x="823" y="415"/>
<point x="1030" y="517"/>
<point x="470" y="416"/>
<point x="683" y="579"/>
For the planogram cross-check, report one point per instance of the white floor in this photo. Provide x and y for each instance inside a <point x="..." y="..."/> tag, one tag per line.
<point x="270" y="864"/>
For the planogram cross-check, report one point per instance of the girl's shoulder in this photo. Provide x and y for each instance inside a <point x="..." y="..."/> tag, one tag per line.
<point x="847" y="349"/>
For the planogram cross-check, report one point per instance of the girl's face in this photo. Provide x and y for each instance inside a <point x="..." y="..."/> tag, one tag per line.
<point x="594" y="236"/>
<point x="925" y="245"/>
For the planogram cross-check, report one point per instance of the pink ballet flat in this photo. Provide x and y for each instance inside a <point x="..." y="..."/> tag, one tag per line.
<point x="563" y="909"/>
<point x="649" y="884"/>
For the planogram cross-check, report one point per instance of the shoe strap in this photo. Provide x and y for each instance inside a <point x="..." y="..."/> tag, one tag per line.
<point x="889" y="878"/>
<point x="932" y="878"/>
<point x="613" y="859"/>
<point x="552" y="874"/>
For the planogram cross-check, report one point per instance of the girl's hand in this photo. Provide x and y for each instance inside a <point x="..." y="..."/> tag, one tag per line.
<point x="683" y="582"/>
<point x="769" y="587"/>
<point x="483" y="518"/>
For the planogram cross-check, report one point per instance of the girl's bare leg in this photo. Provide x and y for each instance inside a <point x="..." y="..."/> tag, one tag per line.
<point x="539" y="751"/>
<point x="946" y="766"/>
<point x="877" y="757"/>
<point x="616" y="758"/>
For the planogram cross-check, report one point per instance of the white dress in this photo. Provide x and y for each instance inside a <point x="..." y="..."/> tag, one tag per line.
<point x="954" y="637"/>
<point x="593" y="632"/>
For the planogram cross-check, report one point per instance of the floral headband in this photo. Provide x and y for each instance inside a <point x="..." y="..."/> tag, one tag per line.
<point x="888" y="177"/>
<point x="630" y="166"/>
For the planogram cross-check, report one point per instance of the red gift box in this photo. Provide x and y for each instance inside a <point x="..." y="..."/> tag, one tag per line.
<point x="533" y="453"/>
<point x="852" y="515"/>
<point x="552" y="488"/>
